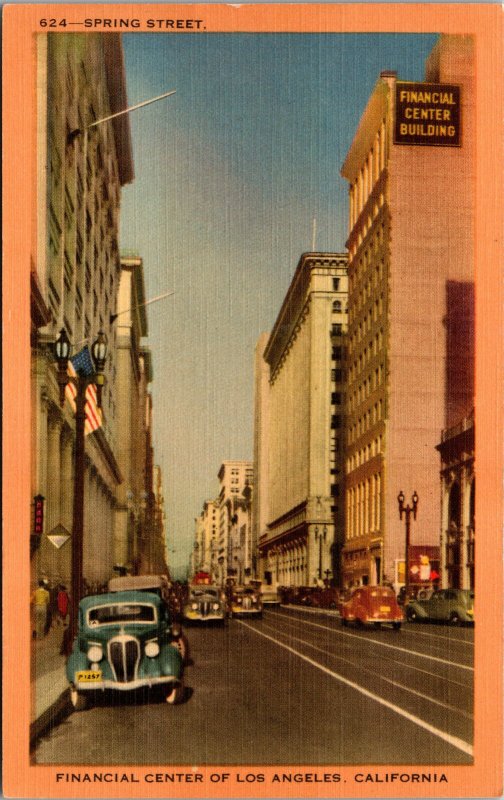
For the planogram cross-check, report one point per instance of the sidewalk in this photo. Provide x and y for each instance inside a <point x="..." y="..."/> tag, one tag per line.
<point x="49" y="686"/>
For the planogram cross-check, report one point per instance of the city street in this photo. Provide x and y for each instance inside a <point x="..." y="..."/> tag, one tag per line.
<point x="292" y="688"/>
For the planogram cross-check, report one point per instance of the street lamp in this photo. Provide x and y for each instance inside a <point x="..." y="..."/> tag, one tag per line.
<point x="407" y="511"/>
<point x="80" y="382"/>
<point x="321" y="537"/>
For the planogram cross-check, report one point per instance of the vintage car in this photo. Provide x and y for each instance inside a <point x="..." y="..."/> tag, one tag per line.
<point x="244" y="601"/>
<point x="372" y="605"/>
<point x="124" y="641"/>
<point x="269" y="596"/>
<point x="160" y="585"/>
<point x="455" y="606"/>
<point x="205" y="604"/>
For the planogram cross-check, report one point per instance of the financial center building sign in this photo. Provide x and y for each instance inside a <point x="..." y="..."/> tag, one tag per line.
<point x="427" y="114"/>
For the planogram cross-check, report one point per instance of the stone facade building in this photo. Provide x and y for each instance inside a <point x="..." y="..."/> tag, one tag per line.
<point x="234" y="553"/>
<point x="305" y="442"/>
<point x="75" y="279"/>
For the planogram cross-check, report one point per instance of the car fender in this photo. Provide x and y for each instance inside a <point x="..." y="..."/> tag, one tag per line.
<point x="419" y="610"/>
<point x="76" y="662"/>
<point x="170" y="661"/>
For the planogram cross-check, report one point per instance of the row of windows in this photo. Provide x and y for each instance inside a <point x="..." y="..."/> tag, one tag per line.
<point x="374" y="312"/>
<point x="371" y="350"/>
<point x="366" y="422"/>
<point x="370" y="384"/>
<point x="365" y="454"/>
<point x="364" y="507"/>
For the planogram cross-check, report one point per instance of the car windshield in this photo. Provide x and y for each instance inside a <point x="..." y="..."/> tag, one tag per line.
<point x="121" y="612"/>
<point x="388" y="593"/>
<point x="206" y="590"/>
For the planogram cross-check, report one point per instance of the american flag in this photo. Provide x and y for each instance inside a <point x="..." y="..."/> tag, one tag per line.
<point x="82" y="364"/>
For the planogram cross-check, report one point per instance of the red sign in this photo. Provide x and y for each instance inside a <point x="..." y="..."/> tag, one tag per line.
<point x="38" y="521"/>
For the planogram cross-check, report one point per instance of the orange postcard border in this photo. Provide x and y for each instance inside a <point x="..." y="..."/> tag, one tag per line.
<point x="20" y="24"/>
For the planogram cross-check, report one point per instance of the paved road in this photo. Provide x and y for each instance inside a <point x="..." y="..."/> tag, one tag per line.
<point x="292" y="688"/>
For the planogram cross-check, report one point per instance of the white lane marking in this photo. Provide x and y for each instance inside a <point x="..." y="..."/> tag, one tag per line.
<point x="432" y="674"/>
<point x="391" y="646"/>
<point x="454" y="741"/>
<point x="336" y="615"/>
<point x="377" y="676"/>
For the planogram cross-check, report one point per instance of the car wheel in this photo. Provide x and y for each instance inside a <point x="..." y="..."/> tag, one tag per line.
<point x="175" y="695"/>
<point x="396" y="626"/>
<point x="78" y="700"/>
<point x="454" y="618"/>
<point x="411" y="615"/>
<point x="377" y="625"/>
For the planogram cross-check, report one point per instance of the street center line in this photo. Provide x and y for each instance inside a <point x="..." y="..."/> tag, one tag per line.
<point x="385" y="644"/>
<point x="454" y="741"/>
<point x="404" y="630"/>
<point x="375" y="675"/>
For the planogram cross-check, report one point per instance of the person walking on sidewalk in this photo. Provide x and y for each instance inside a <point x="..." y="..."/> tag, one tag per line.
<point x="62" y="602"/>
<point x="40" y="600"/>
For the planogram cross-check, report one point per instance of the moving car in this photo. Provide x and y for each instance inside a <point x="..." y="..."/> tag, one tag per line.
<point x="160" y="585"/>
<point x="372" y="605"/>
<point x="244" y="601"/>
<point x="446" y="605"/>
<point x="205" y="604"/>
<point x="124" y="641"/>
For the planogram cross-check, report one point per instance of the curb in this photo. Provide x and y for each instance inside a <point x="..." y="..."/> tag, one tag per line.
<point x="57" y="711"/>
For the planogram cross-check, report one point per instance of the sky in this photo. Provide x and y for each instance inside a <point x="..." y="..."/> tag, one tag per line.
<point x="230" y="174"/>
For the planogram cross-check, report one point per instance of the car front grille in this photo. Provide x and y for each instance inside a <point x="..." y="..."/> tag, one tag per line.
<point x="204" y="608"/>
<point x="124" y="655"/>
<point x="247" y="602"/>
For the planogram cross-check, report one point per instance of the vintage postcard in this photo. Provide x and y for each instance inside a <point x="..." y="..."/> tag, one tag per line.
<point x="258" y="253"/>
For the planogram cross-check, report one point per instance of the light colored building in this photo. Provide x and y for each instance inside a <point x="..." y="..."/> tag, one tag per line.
<point x="75" y="280"/>
<point x="411" y="254"/>
<point x="259" y="511"/>
<point x="133" y="376"/>
<point x="305" y="355"/>
<point x="204" y="555"/>
<point x="234" y="553"/>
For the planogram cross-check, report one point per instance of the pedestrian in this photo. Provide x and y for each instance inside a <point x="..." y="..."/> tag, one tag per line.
<point x="52" y="607"/>
<point x="40" y="599"/>
<point x="62" y="603"/>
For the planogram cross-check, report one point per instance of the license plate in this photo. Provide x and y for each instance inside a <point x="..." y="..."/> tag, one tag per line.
<point x="88" y="676"/>
<point x="384" y="608"/>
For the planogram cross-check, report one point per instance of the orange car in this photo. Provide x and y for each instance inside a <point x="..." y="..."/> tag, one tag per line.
<point x="372" y="605"/>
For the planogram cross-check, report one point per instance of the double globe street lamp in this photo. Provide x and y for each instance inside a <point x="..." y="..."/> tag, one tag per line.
<point x="407" y="511"/>
<point x="90" y="373"/>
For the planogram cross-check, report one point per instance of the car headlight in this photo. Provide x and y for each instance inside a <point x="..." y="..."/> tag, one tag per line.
<point x="194" y="606"/>
<point x="95" y="653"/>
<point x="152" y="649"/>
<point x="215" y="607"/>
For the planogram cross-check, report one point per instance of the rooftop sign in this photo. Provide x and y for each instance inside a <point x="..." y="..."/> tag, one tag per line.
<point x="427" y="114"/>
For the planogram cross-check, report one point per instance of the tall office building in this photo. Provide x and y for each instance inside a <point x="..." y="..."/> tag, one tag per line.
<point x="410" y="170"/>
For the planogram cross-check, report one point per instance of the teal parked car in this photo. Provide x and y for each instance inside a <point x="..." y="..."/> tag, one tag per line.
<point x="125" y="641"/>
<point x="455" y="606"/>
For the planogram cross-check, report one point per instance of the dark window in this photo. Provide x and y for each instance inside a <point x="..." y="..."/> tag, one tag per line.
<point x="336" y="306"/>
<point x="335" y="490"/>
<point x="336" y="329"/>
<point x="335" y="421"/>
<point x="336" y="398"/>
<point x="335" y="283"/>
<point x="337" y="353"/>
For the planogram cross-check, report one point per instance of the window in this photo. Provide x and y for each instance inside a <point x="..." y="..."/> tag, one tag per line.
<point x="336" y="306"/>
<point x="337" y="353"/>
<point x="336" y="398"/>
<point x="335" y="490"/>
<point x="335" y="421"/>
<point x="336" y="329"/>
<point x="335" y="283"/>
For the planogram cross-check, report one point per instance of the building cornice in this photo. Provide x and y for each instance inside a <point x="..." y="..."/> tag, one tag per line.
<point x="375" y="111"/>
<point x="295" y="301"/>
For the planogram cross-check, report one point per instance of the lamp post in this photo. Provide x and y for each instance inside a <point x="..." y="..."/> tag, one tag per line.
<point x="321" y="537"/>
<point x="80" y="382"/>
<point x="407" y="511"/>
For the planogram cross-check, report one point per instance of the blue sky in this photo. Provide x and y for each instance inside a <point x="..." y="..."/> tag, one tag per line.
<point x="230" y="173"/>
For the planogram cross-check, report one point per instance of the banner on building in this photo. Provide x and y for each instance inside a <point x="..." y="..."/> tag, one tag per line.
<point x="427" y="114"/>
